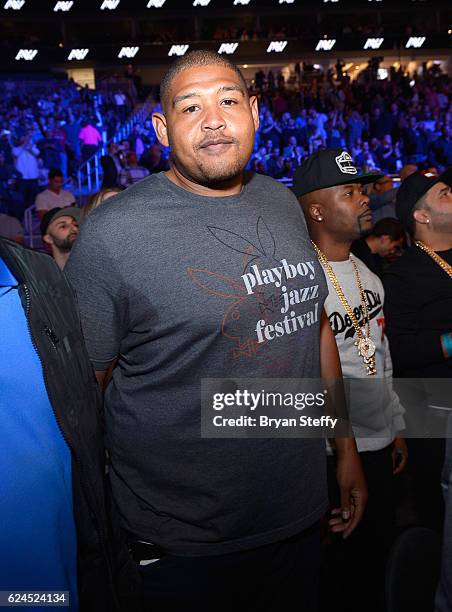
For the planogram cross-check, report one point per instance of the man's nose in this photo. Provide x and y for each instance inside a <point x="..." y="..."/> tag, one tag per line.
<point x="213" y="118"/>
<point x="365" y="199"/>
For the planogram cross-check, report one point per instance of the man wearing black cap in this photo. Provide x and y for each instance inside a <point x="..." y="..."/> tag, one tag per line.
<point x="59" y="229"/>
<point x="330" y="190"/>
<point x="419" y="315"/>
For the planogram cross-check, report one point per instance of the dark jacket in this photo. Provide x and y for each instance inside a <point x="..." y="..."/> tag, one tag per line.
<point x="110" y="178"/>
<point x="103" y="562"/>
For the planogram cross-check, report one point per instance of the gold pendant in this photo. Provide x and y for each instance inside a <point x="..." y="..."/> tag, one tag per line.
<point x="366" y="350"/>
<point x="366" y="347"/>
<point x="371" y="368"/>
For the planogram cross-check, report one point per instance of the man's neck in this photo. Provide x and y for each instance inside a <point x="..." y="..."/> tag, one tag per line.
<point x="232" y="187"/>
<point x="333" y="249"/>
<point x="60" y="258"/>
<point x="436" y="241"/>
<point x="371" y="244"/>
<point x="56" y="191"/>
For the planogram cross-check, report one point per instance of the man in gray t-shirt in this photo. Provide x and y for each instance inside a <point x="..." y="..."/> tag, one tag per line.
<point x="182" y="277"/>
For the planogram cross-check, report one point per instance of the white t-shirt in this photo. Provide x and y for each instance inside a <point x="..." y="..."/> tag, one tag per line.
<point x="27" y="161"/>
<point x="47" y="199"/>
<point x="375" y="410"/>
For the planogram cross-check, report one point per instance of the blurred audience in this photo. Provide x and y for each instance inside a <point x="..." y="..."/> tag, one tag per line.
<point x="132" y="171"/>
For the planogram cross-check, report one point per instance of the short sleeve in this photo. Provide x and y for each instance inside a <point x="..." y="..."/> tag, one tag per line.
<point x="100" y="294"/>
<point x="40" y="202"/>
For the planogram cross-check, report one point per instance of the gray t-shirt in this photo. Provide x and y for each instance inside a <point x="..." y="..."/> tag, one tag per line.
<point x="182" y="287"/>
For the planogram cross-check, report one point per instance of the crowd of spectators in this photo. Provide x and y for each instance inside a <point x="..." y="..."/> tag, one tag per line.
<point x="385" y="124"/>
<point x="56" y="125"/>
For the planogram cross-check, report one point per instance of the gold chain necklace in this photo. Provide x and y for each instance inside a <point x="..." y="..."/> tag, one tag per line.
<point x="442" y="263"/>
<point x="366" y="346"/>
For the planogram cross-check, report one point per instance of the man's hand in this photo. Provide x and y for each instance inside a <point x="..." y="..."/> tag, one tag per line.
<point x="352" y="486"/>
<point x="399" y="455"/>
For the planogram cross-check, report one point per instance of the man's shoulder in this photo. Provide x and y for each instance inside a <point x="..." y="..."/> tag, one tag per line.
<point x="68" y="195"/>
<point x="9" y="221"/>
<point x="124" y="205"/>
<point x="22" y="255"/>
<point x="413" y="255"/>
<point x="271" y="187"/>
<point x="406" y="268"/>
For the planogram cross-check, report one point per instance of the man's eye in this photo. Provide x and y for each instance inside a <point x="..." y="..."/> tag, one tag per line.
<point x="229" y="102"/>
<point x="190" y="109"/>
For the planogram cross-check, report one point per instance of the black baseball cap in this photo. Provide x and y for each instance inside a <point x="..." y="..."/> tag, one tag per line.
<point x="328" y="168"/>
<point x="412" y="189"/>
<point x="55" y="213"/>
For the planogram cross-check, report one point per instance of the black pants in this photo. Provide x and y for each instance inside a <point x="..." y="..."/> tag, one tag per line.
<point x="88" y="151"/>
<point x="425" y="466"/>
<point x="355" y="568"/>
<point x="269" y="578"/>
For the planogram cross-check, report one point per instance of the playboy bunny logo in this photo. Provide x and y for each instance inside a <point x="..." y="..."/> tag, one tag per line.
<point x="262" y="251"/>
<point x="235" y="295"/>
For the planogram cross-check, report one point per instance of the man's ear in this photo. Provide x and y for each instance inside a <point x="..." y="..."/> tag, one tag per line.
<point x="47" y="239"/>
<point x="421" y="216"/>
<point x="315" y="212"/>
<point x="159" y="123"/>
<point x="254" y="106"/>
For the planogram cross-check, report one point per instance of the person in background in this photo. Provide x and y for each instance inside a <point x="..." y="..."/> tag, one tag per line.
<point x="382" y="245"/>
<point x="59" y="230"/>
<point x="54" y="196"/>
<point x="407" y="170"/>
<point x="90" y="139"/>
<point x="121" y="104"/>
<point x="382" y="198"/>
<point x="72" y="129"/>
<point x="26" y="161"/>
<point x="418" y="311"/>
<point x="111" y="166"/>
<point x="9" y="185"/>
<point x="55" y="533"/>
<point x="132" y="172"/>
<point x="10" y="227"/>
<point x="330" y="191"/>
<point x="154" y="160"/>
<point x="97" y="198"/>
